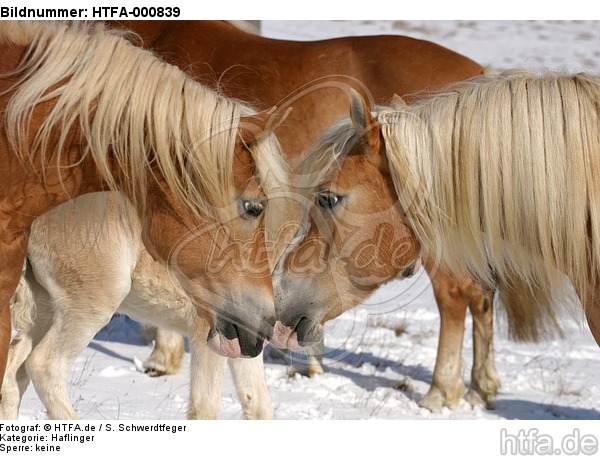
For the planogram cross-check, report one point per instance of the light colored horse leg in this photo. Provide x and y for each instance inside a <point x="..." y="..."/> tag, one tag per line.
<point x="16" y="379"/>
<point x="447" y="386"/>
<point x="315" y="359"/>
<point x="50" y="361"/>
<point x="167" y="355"/>
<point x="207" y="376"/>
<point x="31" y="329"/>
<point x="251" y="386"/>
<point x="13" y="249"/>
<point x="484" y="377"/>
<point x="206" y="368"/>
<point x="77" y="318"/>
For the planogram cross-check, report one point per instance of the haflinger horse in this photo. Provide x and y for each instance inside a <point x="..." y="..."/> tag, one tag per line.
<point x="498" y="177"/>
<point x="494" y="176"/>
<point x="64" y="300"/>
<point x="313" y="78"/>
<point x="85" y="110"/>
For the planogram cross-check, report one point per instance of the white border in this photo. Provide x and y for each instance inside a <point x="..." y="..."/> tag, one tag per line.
<point x="346" y="10"/>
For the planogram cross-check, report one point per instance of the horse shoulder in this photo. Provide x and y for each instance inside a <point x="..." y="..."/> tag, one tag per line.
<point x="157" y="298"/>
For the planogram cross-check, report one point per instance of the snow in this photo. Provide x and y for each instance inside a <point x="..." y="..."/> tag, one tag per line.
<point x="370" y="372"/>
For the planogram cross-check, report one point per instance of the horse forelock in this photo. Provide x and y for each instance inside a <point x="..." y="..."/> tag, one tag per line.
<point x="128" y="105"/>
<point x="485" y="172"/>
<point x="335" y="144"/>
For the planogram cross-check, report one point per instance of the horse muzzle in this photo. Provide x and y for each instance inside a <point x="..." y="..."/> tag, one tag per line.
<point x="412" y="269"/>
<point x="234" y="339"/>
<point x="300" y="337"/>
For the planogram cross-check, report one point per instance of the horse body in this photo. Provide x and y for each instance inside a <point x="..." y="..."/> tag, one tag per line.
<point x="344" y="275"/>
<point x="67" y="269"/>
<point x="247" y="72"/>
<point x="495" y="176"/>
<point x="313" y="78"/>
<point x="24" y="198"/>
<point x="84" y="110"/>
<point x="267" y="72"/>
<point x="526" y="202"/>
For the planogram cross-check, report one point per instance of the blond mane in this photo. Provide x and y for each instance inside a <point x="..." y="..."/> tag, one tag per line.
<point x="124" y="100"/>
<point x="501" y="175"/>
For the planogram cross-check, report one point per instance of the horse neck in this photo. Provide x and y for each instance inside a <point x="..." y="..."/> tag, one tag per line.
<point x="60" y="144"/>
<point x="31" y="188"/>
<point x="195" y="46"/>
<point x="35" y="183"/>
<point x="157" y="31"/>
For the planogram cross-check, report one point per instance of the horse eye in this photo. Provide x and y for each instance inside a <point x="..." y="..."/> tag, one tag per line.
<point x="328" y="200"/>
<point x="253" y="209"/>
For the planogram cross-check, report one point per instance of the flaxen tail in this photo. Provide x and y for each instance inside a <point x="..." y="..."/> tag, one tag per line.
<point x="531" y="314"/>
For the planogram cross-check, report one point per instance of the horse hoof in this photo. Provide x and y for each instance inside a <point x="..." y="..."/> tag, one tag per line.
<point x="432" y="401"/>
<point x="475" y="399"/>
<point x="314" y="371"/>
<point x="155" y="372"/>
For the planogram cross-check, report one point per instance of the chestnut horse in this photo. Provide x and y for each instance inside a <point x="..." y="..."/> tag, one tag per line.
<point x="76" y="280"/>
<point x="495" y="176"/>
<point x="313" y="77"/>
<point x="85" y="110"/>
<point x="516" y="199"/>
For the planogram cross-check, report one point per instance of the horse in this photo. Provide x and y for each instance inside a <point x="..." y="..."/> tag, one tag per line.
<point x="56" y="319"/>
<point x="86" y="110"/>
<point x="493" y="176"/>
<point x="520" y="200"/>
<point x="313" y="77"/>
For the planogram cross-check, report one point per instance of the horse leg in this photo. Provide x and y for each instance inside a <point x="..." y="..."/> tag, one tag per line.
<point x="206" y="371"/>
<point x="16" y="378"/>
<point x="75" y="322"/>
<point x="167" y="355"/>
<point x="447" y="386"/>
<point x="30" y="333"/>
<point x="12" y="251"/>
<point x="31" y="326"/>
<point x="484" y="377"/>
<point x="251" y="386"/>
<point x="50" y="362"/>
<point x="315" y="359"/>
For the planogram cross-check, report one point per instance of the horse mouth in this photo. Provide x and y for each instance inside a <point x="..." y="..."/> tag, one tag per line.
<point x="285" y="337"/>
<point x="233" y="348"/>
<point x="303" y="336"/>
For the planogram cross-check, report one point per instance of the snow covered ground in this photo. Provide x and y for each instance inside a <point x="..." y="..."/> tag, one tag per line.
<point x="371" y="372"/>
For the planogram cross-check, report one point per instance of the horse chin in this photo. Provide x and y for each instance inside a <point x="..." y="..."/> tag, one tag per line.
<point x="286" y="337"/>
<point x="230" y="348"/>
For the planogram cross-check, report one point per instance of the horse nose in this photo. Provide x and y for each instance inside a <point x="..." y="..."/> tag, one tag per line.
<point x="412" y="269"/>
<point x="408" y="272"/>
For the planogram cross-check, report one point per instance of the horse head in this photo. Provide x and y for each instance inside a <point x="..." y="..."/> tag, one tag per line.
<point x="355" y="236"/>
<point x="219" y="252"/>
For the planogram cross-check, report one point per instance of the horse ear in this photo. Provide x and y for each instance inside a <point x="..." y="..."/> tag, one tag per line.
<point x="397" y="101"/>
<point x="255" y="127"/>
<point x="362" y="118"/>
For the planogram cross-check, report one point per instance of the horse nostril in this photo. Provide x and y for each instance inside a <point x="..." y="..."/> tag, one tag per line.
<point x="409" y="271"/>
